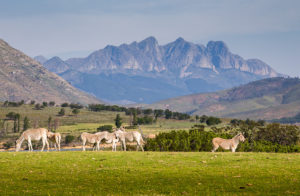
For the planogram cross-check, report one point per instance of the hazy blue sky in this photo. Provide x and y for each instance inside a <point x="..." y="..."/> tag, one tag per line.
<point x="264" y="29"/>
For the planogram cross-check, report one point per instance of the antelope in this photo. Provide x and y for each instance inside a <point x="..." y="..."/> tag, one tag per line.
<point x="110" y="138"/>
<point x="91" y="138"/>
<point x="228" y="144"/>
<point x="33" y="134"/>
<point x="55" y="138"/>
<point x="124" y="136"/>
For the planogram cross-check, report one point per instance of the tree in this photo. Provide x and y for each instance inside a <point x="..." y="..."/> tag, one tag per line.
<point x="26" y="123"/>
<point x="168" y="114"/>
<point x="197" y="117"/>
<point x="118" y="121"/>
<point x="75" y="111"/>
<point x="38" y="106"/>
<point x="134" y="119"/>
<point x="49" y="123"/>
<point x="45" y="104"/>
<point x="52" y="103"/>
<point x="56" y="124"/>
<point x="32" y="102"/>
<point x="213" y="121"/>
<point x="105" y="128"/>
<point x="147" y="111"/>
<point x="18" y="116"/>
<point x="11" y="115"/>
<point x="62" y="112"/>
<point x="65" y="105"/>
<point x="203" y="118"/>
<point x="158" y="113"/>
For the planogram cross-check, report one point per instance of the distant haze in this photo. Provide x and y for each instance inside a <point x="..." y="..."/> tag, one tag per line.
<point x="264" y="29"/>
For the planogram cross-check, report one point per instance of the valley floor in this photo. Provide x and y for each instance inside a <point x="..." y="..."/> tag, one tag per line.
<point x="149" y="173"/>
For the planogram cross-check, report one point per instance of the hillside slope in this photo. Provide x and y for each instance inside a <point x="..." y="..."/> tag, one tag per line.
<point x="271" y="98"/>
<point x="175" y="69"/>
<point x="22" y="78"/>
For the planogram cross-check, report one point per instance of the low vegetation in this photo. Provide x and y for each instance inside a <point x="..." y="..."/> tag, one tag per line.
<point x="149" y="173"/>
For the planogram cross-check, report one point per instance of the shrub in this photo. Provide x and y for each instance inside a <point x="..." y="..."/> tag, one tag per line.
<point x="64" y="105"/>
<point x="213" y="121"/>
<point x="61" y="112"/>
<point x="69" y="139"/>
<point x="7" y="145"/>
<point x="279" y="134"/>
<point x="145" y="120"/>
<point x="105" y="128"/>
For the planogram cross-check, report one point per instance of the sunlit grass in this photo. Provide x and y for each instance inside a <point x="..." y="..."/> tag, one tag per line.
<point x="149" y="173"/>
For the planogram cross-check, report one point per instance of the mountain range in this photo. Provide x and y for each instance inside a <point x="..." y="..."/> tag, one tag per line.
<point x="22" y="78"/>
<point x="271" y="98"/>
<point x="146" y="72"/>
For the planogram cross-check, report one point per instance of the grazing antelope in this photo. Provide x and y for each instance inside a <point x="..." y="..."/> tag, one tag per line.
<point x="55" y="138"/>
<point x="124" y="136"/>
<point x="91" y="138"/>
<point x="228" y="144"/>
<point x="110" y="138"/>
<point x="33" y="134"/>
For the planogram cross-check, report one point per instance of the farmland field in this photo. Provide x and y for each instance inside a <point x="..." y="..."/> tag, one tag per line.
<point x="149" y="173"/>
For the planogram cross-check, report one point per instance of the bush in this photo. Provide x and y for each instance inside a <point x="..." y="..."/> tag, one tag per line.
<point x="61" y="112"/>
<point x="213" y="121"/>
<point x="69" y="139"/>
<point x="64" y="105"/>
<point x="199" y="140"/>
<point x="279" y="134"/>
<point x="145" y="120"/>
<point x="105" y="128"/>
<point x="7" y="145"/>
<point x="131" y="127"/>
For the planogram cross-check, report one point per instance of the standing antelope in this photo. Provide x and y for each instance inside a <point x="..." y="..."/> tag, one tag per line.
<point x="33" y="134"/>
<point x="228" y="144"/>
<point x="91" y="138"/>
<point x="55" y="138"/>
<point x="110" y="138"/>
<point x="130" y="136"/>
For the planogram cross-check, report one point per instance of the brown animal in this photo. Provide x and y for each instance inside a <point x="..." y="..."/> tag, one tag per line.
<point x="228" y="144"/>
<point x="55" y="138"/>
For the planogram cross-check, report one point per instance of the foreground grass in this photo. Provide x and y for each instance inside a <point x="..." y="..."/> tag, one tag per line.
<point x="149" y="173"/>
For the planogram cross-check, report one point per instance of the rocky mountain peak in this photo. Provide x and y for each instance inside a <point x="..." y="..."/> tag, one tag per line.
<point x="217" y="48"/>
<point x="40" y="58"/>
<point x="188" y="66"/>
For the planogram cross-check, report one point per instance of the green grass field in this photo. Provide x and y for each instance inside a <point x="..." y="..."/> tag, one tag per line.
<point x="149" y="173"/>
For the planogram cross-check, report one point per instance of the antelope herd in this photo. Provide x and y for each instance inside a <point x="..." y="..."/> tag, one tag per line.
<point x="95" y="139"/>
<point x="119" y="135"/>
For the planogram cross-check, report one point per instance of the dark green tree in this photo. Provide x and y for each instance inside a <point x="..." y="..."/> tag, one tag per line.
<point x="62" y="112"/>
<point x="118" y="121"/>
<point x="49" y="123"/>
<point x="26" y="123"/>
<point x="75" y="111"/>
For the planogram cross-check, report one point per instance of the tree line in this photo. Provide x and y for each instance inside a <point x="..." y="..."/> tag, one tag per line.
<point x="273" y="137"/>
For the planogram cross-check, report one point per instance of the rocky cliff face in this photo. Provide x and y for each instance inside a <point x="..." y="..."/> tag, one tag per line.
<point x="22" y="78"/>
<point x="177" y="58"/>
<point x="189" y="67"/>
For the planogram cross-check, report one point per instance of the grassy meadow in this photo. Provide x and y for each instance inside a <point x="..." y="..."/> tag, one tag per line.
<point x="149" y="173"/>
